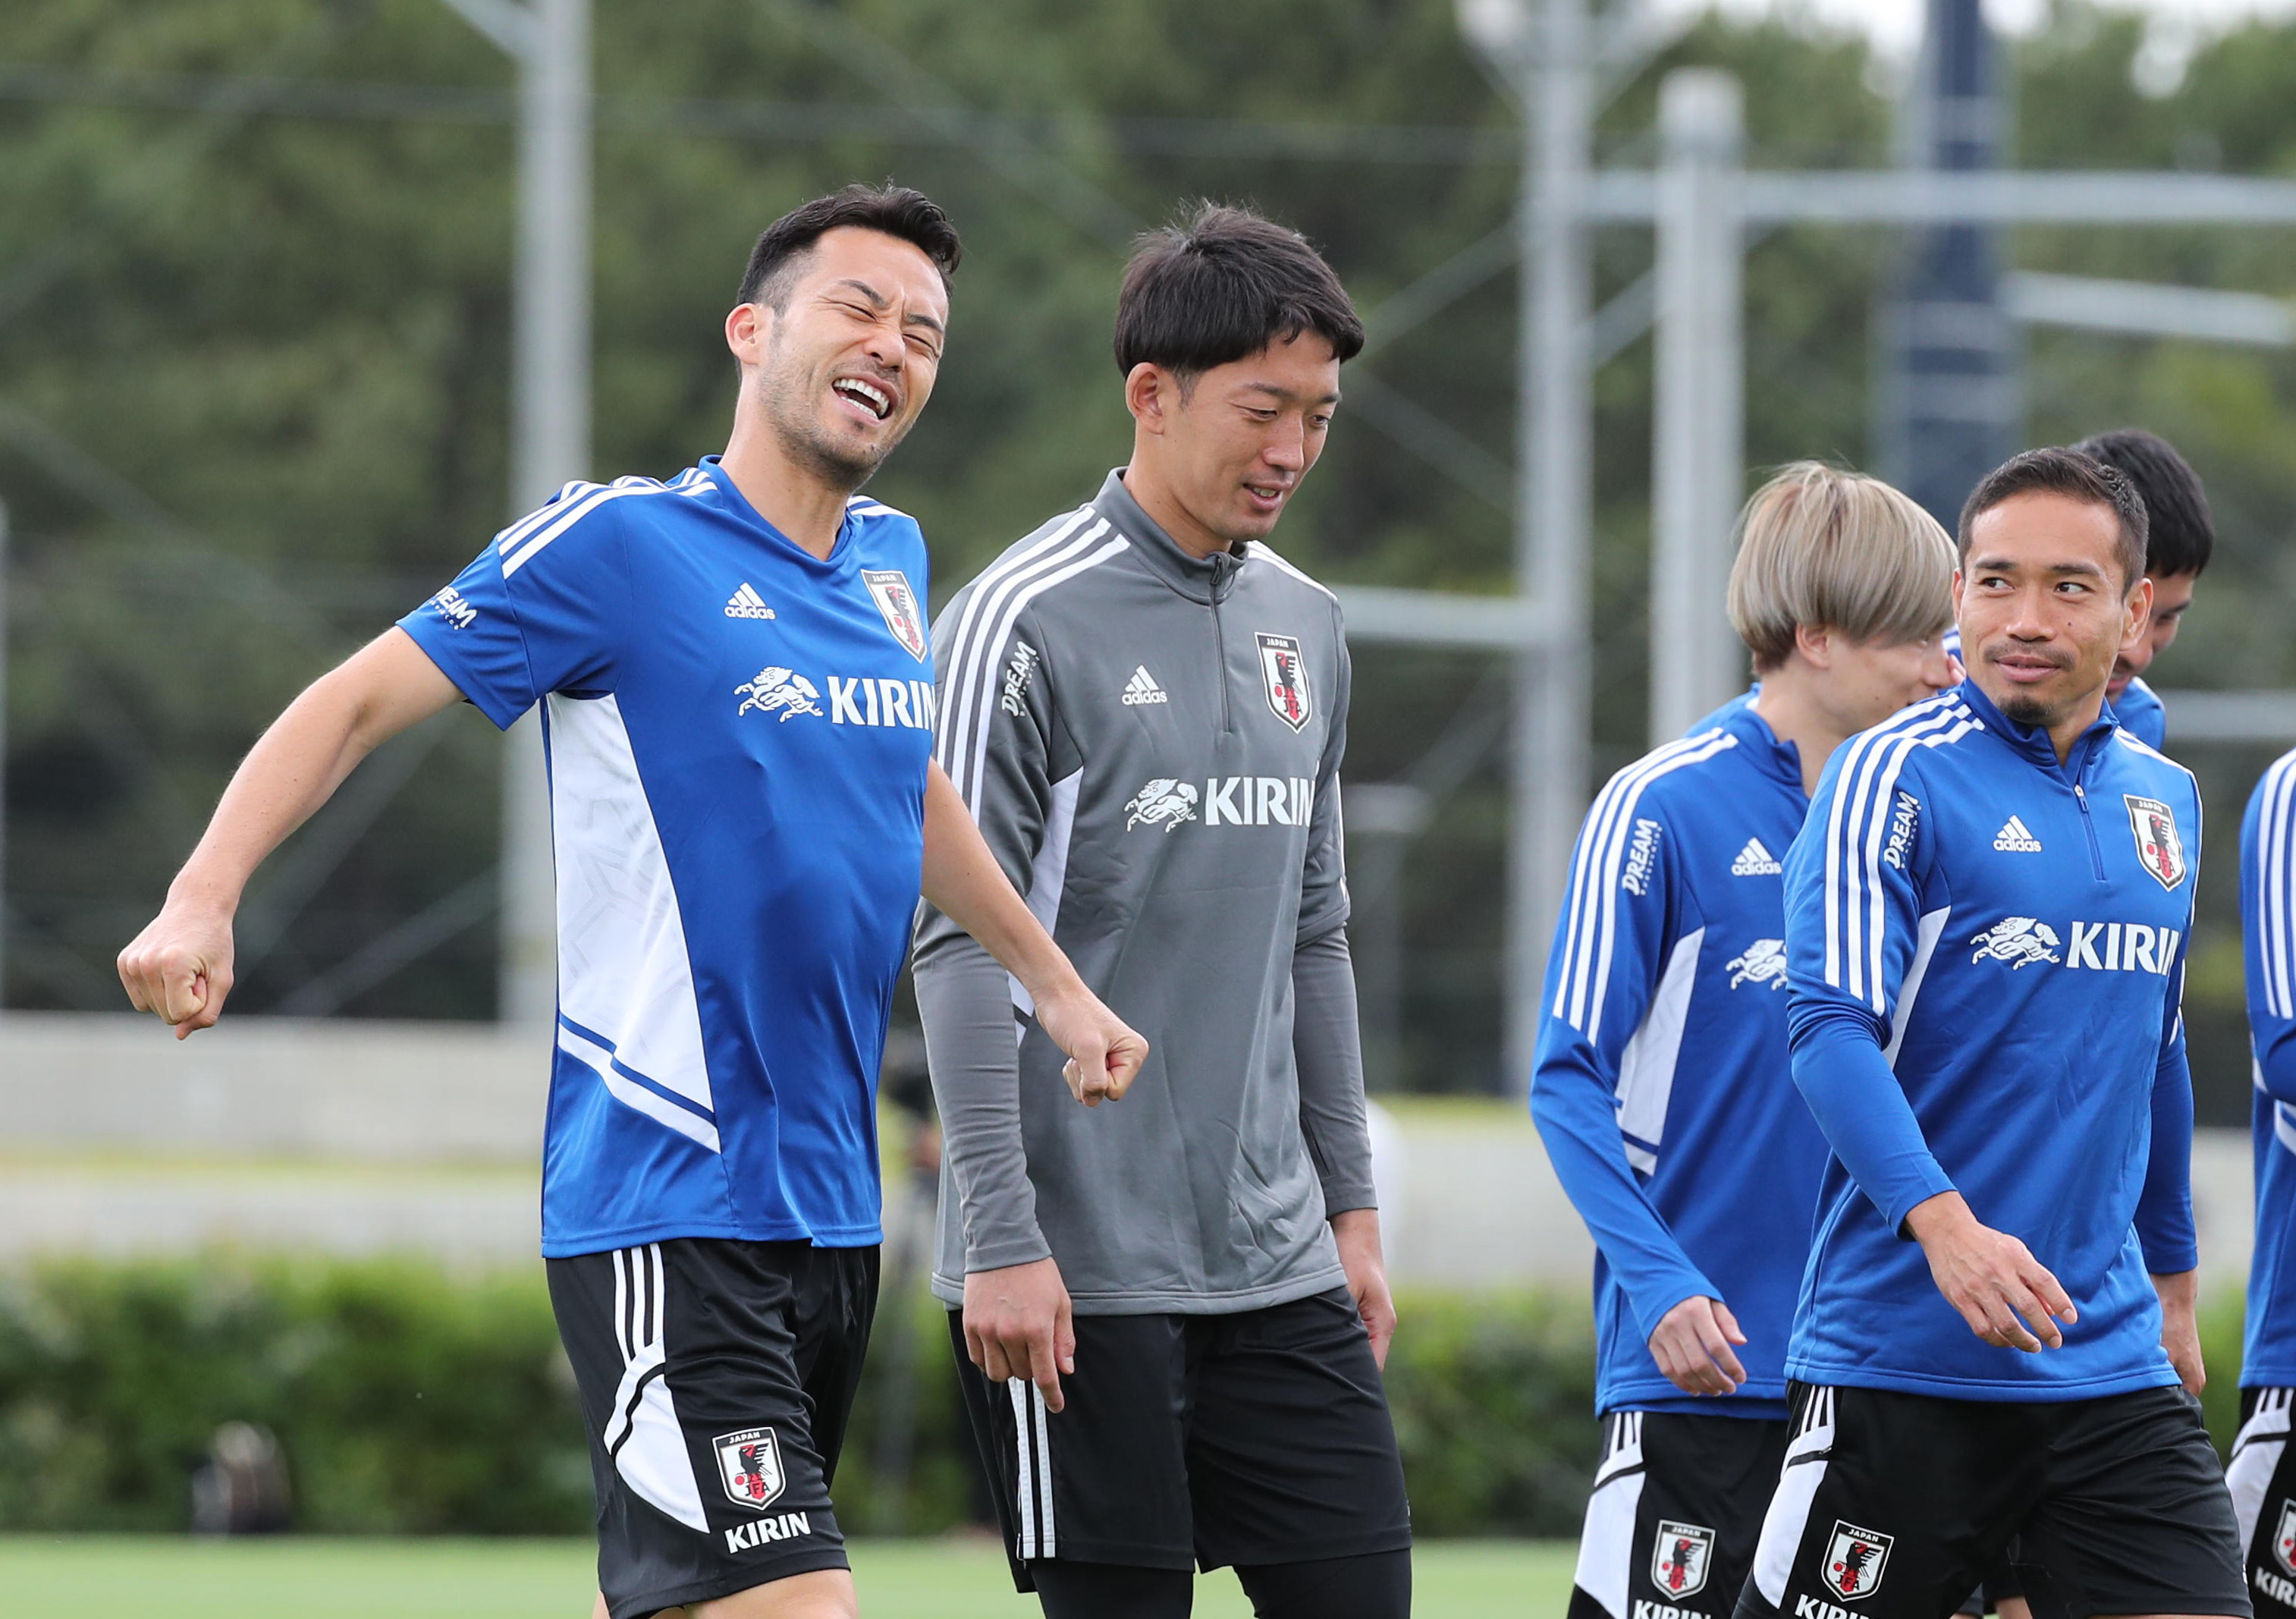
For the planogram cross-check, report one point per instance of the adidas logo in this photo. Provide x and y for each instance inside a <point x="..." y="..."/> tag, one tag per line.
<point x="2016" y="838"/>
<point x="1755" y="861"/>
<point x="747" y="603"/>
<point x="1142" y="688"/>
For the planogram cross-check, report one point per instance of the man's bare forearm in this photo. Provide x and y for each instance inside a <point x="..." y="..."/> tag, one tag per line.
<point x="963" y="882"/>
<point x="297" y="763"/>
<point x="180" y="966"/>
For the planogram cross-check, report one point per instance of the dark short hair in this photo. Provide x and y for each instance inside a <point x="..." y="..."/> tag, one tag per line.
<point x="2182" y="535"/>
<point x="1223" y="283"/>
<point x="2058" y="471"/>
<point x="896" y="210"/>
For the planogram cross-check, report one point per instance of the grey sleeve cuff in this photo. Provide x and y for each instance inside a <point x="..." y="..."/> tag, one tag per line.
<point x="1328" y="1047"/>
<point x="966" y="1001"/>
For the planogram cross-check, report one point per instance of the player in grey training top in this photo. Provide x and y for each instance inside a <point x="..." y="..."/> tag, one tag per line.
<point x="1145" y="707"/>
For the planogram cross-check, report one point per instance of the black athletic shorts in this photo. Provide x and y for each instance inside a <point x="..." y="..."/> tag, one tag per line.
<point x="716" y="1377"/>
<point x="2262" y="1476"/>
<point x="1197" y="1441"/>
<point x="1676" y="1511"/>
<point x="1891" y="1506"/>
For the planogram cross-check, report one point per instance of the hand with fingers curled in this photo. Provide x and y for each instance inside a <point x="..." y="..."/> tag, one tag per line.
<point x="1104" y="1054"/>
<point x="1018" y="1324"/>
<point x="1693" y="1346"/>
<point x="179" y="968"/>
<point x="2008" y="1297"/>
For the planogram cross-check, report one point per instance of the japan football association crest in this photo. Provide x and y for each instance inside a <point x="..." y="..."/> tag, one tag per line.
<point x="2284" y="1539"/>
<point x="1679" y="1556"/>
<point x="1284" y="675"/>
<point x="889" y="587"/>
<point x="750" y="1464"/>
<point x="2158" y="849"/>
<point x="1854" y="1558"/>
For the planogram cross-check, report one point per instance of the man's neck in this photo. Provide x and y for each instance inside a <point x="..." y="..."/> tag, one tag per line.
<point x="2064" y="732"/>
<point x="1165" y="511"/>
<point x="1789" y="707"/>
<point x="786" y="493"/>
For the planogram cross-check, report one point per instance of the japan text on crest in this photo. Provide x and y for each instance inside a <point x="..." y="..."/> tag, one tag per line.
<point x="1284" y="675"/>
<point x="889" y="587"/>
<point x="1854" y="1558"/>
<point x="1679" y="1556"/>
<point x="2160" y="850"/>
<point x="750" y="1464"/>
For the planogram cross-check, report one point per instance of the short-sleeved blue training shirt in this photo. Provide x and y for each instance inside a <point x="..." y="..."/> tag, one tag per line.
<point x="739" y="734"/>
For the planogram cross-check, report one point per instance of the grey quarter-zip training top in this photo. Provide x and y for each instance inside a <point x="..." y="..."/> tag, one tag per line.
<point x="1149" y="742"/>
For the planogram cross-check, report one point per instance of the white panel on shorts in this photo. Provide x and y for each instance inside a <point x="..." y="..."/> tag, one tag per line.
<point x="2256" y="1453"/>
<point x="1033" y="1484"/>
<point x="1606" y="1542"/>
<point x="1782" y="1524"/>
<point x="623" y="971"/>
<point x="644" y="1435"/>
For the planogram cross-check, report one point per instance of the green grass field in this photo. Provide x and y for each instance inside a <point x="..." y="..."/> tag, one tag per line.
<point x="116" y="1576"/>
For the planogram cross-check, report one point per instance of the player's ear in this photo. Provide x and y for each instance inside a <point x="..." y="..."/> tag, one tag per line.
<point x="747" y="328"/>
<point x="1814" y="643"/>
<point x="1148" y="390"/>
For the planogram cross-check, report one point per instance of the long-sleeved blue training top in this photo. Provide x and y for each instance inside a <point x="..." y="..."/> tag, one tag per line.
<point x="1986" y="952"/>
<point x="2267" y="915"/>
<point x="1661" y="1086"/>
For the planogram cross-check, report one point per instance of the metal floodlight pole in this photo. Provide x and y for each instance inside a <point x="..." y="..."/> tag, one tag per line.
<point x="1554" y="507"/>
<point x="1698" y="447"/>
<point x="551" y="428"/>
<point x="550" y="419"/>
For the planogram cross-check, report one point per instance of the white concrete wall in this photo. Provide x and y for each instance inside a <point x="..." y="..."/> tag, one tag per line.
<point x="363" y="1136"/>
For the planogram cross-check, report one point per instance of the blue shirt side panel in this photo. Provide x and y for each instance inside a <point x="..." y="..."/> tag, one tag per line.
<point x="1962" y="1016"/>
<point x="2268" y="908"/>
<point x="1697" y="1175"/>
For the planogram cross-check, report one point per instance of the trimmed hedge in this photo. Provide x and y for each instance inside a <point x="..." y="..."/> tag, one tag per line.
<point x="412" y="1399"/>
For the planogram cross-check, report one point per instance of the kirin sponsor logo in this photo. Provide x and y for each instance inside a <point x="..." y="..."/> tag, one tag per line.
<point x="1166" y="801"/>
<point x="862" y="700"/>
<point x="1763" y="961"/>
<point x="775" y="690"/>
<point x="1228" y="800"/>
<point x="2019" y="940"/>
<point x="2092" y="947"/>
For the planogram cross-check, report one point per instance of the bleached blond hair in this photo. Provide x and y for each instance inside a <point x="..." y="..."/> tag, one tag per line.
<point x="1836" y="549"/>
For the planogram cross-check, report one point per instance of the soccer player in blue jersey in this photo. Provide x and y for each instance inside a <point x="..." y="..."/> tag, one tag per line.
<point x="736" y="695"/>
<point x="2179" y="536"/>
<point x="1986" y="918"/>
<point x="2262" y="1472"/>
<point x="1662" y="1087"/>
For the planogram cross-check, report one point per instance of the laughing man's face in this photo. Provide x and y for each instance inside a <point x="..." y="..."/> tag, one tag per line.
<point x="846" y="350"/>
